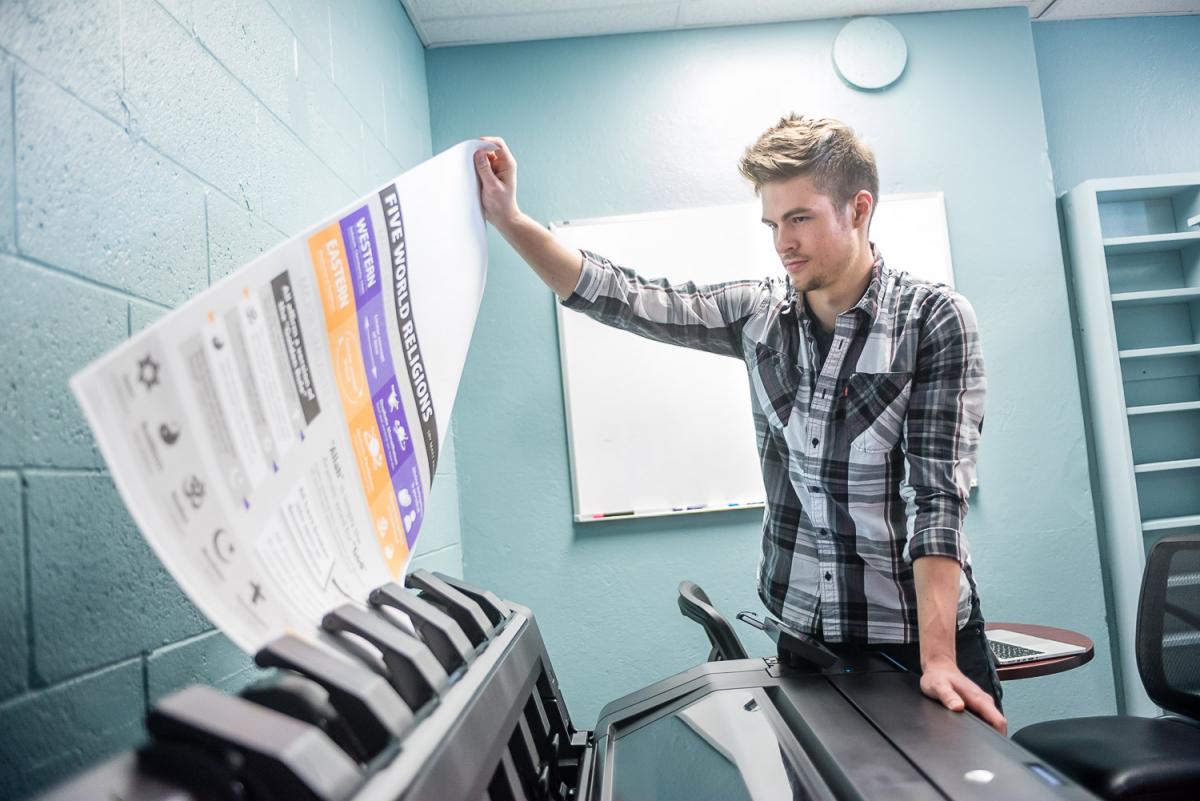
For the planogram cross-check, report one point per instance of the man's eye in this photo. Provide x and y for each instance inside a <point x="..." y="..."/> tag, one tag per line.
<point x="799" y="219"/>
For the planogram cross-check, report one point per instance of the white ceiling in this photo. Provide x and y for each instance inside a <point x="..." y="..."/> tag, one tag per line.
<point x="445" y="23"/>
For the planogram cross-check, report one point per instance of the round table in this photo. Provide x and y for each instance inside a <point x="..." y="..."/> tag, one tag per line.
<point x="1045" y="667"/>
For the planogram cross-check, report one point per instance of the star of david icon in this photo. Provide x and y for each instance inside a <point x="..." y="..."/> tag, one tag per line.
<point x="148" y="372"/>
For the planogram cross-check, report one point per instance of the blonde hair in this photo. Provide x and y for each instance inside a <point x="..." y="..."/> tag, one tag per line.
<point x="839" y="163"/>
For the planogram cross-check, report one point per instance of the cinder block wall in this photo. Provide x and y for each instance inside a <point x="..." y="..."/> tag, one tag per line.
<point x="146" y="149"/>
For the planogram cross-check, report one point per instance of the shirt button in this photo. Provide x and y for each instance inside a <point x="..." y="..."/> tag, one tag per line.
<point x="816" y="442"/>
<point x="829" y="577"/>
<point x="824" y="532"/>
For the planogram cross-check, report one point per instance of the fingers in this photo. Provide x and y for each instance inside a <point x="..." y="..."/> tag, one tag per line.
<point x="501" y="157"/>
<point x="497" y="141"/>
<point x="958" y="693"/>
<point x="983" y="705"/>
<point x="483" y="167"/>
<point x="498" y="151"/>
<point x="943" y="690"/>
<point x="497" y="171"/>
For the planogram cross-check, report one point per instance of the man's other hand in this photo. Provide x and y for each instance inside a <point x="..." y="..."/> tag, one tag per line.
<point x="946" y="683"/>
<point x="497" y="170"/>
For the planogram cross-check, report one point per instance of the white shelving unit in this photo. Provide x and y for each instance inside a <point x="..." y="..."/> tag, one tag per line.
<point x="1136" y="266"/>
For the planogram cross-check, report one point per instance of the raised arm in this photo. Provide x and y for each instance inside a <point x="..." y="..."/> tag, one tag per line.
<point x="708" y="318"/>
<point x="555" y="263"/>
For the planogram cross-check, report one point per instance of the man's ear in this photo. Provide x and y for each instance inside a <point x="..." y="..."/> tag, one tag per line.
<point x="862" y="205"/>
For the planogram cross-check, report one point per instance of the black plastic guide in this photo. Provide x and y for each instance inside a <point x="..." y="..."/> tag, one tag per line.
<point x="468" y="614"/>
<point x="439" y="631"/>
<point x="366" y="704"/>
<point x="413" y="670"/>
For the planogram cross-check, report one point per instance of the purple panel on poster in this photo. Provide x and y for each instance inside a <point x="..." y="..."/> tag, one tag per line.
<point x="393" y="425"/>
<point x="360" y="252"/>
<point x="376" y="353"/>
<point x="407" y="483"/>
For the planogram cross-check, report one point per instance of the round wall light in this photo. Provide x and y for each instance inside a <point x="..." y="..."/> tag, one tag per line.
<point x="869" y="53"/>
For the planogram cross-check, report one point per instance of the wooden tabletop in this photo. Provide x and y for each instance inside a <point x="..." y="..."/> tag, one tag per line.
<point x="1045" y="667"/>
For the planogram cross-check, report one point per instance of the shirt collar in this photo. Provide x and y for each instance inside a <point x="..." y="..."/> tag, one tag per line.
<point x="868" y="303"/>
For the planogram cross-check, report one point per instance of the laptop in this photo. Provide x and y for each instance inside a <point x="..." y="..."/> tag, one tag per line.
<point x="1012" y="648"/>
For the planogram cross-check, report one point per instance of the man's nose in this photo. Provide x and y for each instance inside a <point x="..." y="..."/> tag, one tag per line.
<point x="784" y="242"/>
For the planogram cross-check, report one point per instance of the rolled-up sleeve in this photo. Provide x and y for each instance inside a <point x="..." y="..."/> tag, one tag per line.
<point x="943" y="428"/>
<point x="705" y="317"/>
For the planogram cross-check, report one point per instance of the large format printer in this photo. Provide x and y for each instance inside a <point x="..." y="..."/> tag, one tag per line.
<point x="469" y="708"/>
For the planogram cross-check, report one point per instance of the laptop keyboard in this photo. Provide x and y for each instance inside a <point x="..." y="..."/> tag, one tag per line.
<point x="1003" y="650"/>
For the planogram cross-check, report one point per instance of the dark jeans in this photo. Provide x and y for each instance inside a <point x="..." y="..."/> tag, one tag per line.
<point x="971" y="648"/>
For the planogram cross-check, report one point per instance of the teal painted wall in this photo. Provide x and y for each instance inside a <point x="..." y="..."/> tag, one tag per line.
<point x="628" y="124"/>
<point x="1120" y="96"/>
<point x="146" y="149"/>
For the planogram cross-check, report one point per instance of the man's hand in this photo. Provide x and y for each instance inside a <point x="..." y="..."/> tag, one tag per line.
<point x="943" y="681"/>
<point x="937" y="580"/>
<point x="555" y="263"/>
<point x="497" y="170"/>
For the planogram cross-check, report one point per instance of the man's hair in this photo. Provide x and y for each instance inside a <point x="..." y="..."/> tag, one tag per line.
<point x="839" y="163"/>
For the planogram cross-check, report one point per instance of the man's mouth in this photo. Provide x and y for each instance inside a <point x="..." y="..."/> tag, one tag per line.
<point x="794" y="264"/>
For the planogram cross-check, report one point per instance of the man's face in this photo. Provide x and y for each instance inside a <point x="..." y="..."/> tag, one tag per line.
<point x="816" y="240"/>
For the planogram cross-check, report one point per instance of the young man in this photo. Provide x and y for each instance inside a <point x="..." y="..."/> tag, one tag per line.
<point x="867" y="387"/>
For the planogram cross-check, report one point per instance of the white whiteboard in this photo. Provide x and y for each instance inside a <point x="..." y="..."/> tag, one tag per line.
<point x="656" y="429"/>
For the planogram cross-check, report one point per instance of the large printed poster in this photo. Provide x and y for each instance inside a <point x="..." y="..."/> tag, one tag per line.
<point x="275" y="438"/>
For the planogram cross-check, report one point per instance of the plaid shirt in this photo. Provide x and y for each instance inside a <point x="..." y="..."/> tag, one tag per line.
<point x="867" y="459"/>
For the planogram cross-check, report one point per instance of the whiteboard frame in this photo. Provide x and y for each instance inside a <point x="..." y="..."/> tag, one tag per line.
<point x="560" y="311"/>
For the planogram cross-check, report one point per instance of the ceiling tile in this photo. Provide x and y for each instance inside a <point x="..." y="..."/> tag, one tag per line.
<point x="556" y="25"/>
<point x="739" y="12"/>
<point x="442" y="23"/>
<point x="1078" y="9"/>
<point x="444" y="9"/>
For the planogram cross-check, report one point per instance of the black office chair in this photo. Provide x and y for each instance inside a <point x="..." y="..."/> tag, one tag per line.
<point x="694" y="604"/>
<point x="1130" y="758"/>
<point x="806" y="652"/>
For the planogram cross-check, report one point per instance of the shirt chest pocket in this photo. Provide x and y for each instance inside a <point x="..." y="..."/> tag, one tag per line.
<point x="873" y="408"/>
<point x="778" y="385"/>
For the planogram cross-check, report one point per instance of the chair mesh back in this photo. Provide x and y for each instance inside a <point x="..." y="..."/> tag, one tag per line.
<point x="1168" y="635"/>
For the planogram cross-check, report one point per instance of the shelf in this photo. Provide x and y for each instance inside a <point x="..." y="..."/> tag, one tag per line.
<point x="1150" y="353"/>
<point x="1121" y="245"/>
<point x="1156" y="296"/>
<point x="1135" y="268"/>
<point x="1158" y="467"/>
<point x="1166" y="523"/>
<point x="1164" y="408"/>
<point x="1140" y="189"/>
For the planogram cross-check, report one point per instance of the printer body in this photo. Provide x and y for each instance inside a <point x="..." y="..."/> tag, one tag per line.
<point x="463" y="703"/>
